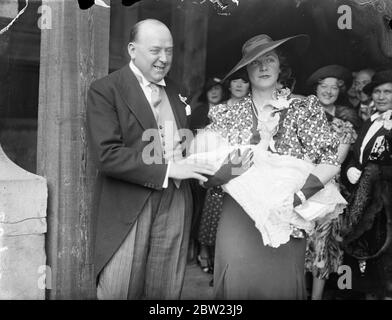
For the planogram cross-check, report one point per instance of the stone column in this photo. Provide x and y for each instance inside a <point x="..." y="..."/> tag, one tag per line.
<point x="73" y="53"/>
<point x="23" y="198"/>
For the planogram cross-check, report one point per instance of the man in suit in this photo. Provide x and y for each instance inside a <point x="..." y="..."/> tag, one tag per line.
<point x="143" y="204"/>
<point x="367" y="227"/>
<point x="380" y="89"/>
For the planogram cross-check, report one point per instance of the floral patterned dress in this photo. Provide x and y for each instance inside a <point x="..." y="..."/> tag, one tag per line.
<point x="323" y="253"/>
<point x="210" y="216"/>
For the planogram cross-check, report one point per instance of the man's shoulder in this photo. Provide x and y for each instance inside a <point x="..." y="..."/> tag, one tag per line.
<point x="107" y="80"/>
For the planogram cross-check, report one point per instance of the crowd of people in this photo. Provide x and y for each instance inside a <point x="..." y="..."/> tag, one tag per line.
<point x="349" y="105"/>
<point x="274" y="208"/>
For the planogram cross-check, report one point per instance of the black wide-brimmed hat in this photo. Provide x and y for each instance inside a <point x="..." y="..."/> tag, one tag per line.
<point x="379" y="78"/>
<point x="330" y="71"/>
<point x="262" y="43"/>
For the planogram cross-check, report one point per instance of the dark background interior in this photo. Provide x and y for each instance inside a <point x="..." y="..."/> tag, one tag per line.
<point x="227" y="31"/>
<point x="356" y="48"/>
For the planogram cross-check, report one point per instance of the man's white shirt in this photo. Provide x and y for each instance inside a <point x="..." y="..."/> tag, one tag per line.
<point x="145" y="85"/>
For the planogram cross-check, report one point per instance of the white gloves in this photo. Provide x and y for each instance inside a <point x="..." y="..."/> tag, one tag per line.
<point x="353" y="175"/>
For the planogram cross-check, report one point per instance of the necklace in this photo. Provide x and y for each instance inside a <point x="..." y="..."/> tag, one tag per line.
<point x="255" y="111"/>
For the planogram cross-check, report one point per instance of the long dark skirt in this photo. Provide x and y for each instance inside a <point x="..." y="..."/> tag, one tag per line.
<point x="246" y="269"/>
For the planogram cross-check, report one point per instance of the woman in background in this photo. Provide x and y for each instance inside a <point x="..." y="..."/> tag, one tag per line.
<point x="238" y="86"/>
<point x="323" y="254"/>
<point x="213" y="93"/>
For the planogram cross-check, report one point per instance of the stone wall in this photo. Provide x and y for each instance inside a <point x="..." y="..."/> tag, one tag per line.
<point x="23" y="203"/>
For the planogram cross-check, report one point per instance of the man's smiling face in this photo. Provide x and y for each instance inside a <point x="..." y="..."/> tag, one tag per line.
<point x="152" y="51"/>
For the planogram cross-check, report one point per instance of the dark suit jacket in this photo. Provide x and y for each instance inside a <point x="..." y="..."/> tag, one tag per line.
<point x="117" y="115"/>
<point x="354" y="161"/>
<point x="199" y="118"/>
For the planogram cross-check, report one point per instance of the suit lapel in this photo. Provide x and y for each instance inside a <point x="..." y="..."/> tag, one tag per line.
<point x="177" y="106"/>
<point x="361" y="136"/>
<point x="135" y="99"/>
<point x="365" y="129"/>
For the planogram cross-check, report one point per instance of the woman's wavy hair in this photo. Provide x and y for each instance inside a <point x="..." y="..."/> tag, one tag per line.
<point x="285" y="78"/>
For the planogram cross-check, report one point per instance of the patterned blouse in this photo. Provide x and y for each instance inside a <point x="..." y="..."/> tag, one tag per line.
<point x="303" y="130"/>
<point x="344" y="130"/>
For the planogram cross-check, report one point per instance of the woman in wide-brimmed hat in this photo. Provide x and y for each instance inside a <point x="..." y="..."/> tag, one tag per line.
<point x="246" y="267"/>
<point x="323" y="254"/>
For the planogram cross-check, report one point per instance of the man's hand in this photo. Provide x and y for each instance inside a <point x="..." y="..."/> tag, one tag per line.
<point x="234" y="165"/>
<point x="353" y="175"/>
<point x="190" y="170"/>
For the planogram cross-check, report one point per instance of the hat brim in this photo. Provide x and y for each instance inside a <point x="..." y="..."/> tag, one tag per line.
<point x="300" y="43"/>
<point x="380" y="78"/>
<point x="368" y="89"/>
<point x="331" y="71"/>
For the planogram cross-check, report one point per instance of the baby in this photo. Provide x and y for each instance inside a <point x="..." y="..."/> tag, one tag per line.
<point x="266" y="190"/>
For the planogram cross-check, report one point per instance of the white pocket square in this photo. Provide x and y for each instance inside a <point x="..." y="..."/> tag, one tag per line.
<point x="188" y="110"/>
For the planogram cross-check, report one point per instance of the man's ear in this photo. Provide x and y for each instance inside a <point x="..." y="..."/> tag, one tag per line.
<point x="131" y="50"/>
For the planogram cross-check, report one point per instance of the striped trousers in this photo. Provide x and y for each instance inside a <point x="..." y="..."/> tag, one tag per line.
<point x="150" y="263"/>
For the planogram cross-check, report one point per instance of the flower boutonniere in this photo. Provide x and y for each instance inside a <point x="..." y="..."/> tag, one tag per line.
<point x="281" y="99"/>
<point x="188" y="109"/>
<point x="282" y="103"/>
<point x="387" y="120"/>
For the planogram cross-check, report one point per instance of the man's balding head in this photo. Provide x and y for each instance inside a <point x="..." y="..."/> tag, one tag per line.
<point x="147" y="23"/>
<point x="151" y="48"/>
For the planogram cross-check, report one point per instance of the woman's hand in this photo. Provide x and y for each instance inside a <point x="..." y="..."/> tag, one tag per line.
<point x="234" y="165"/>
